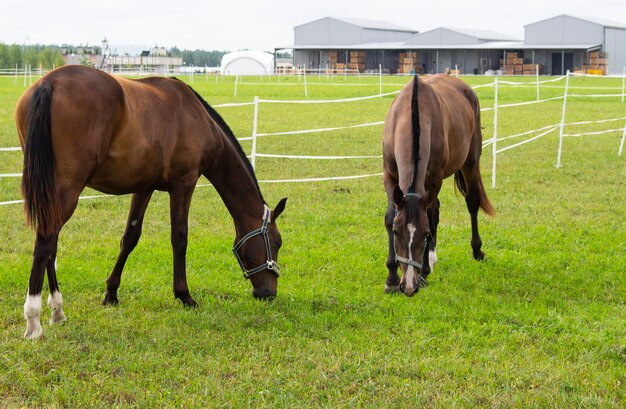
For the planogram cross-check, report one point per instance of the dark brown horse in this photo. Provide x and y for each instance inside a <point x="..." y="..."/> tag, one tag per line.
<point x="432" y="131"/>
<point x="82" y="127"/>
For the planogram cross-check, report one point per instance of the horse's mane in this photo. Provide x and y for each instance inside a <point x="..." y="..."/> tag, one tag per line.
<point x="415" y="121"/>
<point x="229" y="134"/>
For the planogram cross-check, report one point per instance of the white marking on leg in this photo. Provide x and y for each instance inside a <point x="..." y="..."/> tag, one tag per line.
<point x="432" y="259"/>
<point x="32" y="311"/>
<point x="55" y="302"/>
<point x="410" y="270"/>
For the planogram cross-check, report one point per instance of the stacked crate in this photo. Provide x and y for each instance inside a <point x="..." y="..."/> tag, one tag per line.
<point x="332" y="60"/>
<point x="409" y="62"/>
<point x="598" y="62"/>
<point x="357" y="61"/>
<point x="531" y="69"/>
<point x="513" y="65"/>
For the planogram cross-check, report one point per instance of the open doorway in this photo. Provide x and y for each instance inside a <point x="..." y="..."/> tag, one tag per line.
<point x="561" y="62"/>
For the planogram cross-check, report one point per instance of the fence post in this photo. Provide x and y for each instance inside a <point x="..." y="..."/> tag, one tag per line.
<point x="236" y="82"/>
<point x="306" y="91"/>
<point x="537" y="76"/>
<point x="380" y="79"/>
<point x="494" y="147"/>
<point x="254" y="128"/>
<point x="621" y="144"/>
<point x="623" y="79"/>
<point x="558" y="157"/>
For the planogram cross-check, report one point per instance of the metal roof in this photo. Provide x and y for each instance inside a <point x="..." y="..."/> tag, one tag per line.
<point x="599" y="21"/>
<point x="489" y="40"/>
<point x="491" y="45"/>
<point x="486" y="35"/>
<point x="375" y="24"/>
<point x="365" y="23"/>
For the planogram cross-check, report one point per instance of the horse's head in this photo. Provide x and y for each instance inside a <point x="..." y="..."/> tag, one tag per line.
<point x="257" y="253"/>
<point x="410" y="232"/>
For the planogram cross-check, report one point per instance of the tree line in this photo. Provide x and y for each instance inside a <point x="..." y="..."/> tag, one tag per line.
<point x="50" y="56"/>
<point x="46" y="56"/>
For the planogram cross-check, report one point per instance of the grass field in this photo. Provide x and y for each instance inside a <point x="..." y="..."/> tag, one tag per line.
<point x="540" y="323"/>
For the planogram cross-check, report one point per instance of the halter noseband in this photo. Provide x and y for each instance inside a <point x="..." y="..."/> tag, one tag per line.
<point x="400" y="259"/>
<point x="262" y="231"/>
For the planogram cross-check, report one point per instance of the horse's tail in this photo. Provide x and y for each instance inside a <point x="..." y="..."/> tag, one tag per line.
<point x="415" y="123"/>
<point x="483" y="200"/>
<point x="41" y="202"/>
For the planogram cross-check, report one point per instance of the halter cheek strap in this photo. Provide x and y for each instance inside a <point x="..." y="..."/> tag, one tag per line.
<point x="262" y="231"/>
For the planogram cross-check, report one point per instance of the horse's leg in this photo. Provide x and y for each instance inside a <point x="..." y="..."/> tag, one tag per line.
<point x="473" y="184"/>
<point x="430" y="257"/>
<point x="180" y="198"/>
<point x="392" y="284"/>
<point x="44" y="256"/>
<point x="55" y="299"/>
<point x="32" y="307"/>
<point x="138" y="206"/>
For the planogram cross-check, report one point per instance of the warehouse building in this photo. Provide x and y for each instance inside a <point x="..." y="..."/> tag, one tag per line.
<point x="552" y="46"/>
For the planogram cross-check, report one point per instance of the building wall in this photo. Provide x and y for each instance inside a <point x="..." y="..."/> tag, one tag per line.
<point x="615" y="47"/>
<point x="564" y="30"/>
<point x="383" y="36"/>
<point x="308" y="58"/>
<point x="442" y="36"/>
<point x="466" y="61"/>
<point x="327" y="31"/>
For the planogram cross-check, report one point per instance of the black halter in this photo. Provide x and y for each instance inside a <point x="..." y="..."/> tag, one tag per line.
<point x="262" y="231"/>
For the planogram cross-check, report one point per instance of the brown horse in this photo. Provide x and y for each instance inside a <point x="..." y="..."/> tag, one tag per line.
<point x="432" y="131"/>
<point x="82" y="127"/>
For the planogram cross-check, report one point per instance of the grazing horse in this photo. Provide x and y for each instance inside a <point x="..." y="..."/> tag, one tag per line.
<point x="82" y="127"/>
<point x="432" y="131"/>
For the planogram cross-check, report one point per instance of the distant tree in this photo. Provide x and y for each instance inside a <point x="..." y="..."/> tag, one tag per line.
<point x="35" y="55"/>
<point x="198" y="58"/>
<point x="284" y="54"/>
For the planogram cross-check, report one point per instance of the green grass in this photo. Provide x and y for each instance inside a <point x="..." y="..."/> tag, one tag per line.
<point x="540" y="323"/>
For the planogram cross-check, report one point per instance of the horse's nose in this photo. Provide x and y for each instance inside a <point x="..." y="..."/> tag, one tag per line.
<point x="263" y="293"/>
<point x="409" y="292"/>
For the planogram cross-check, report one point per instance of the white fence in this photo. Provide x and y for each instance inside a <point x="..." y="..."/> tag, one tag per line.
<point x="527" y="136"/>
<point x="546" y="130"/>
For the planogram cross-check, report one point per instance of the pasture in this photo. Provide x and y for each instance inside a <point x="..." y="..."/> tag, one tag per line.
<point x="541" y="322"/>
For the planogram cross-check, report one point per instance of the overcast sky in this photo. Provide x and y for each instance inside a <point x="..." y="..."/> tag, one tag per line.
<point x="263" y="25"/>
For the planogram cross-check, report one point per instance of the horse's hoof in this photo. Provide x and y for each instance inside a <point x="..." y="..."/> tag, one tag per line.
<point x="58" y="316"/>
<point x="392" y="289"/>
<point x="110" y="300"/>
<point x="33" y="331"/>
<point x="188" y="301"/>
<point x="479" y="255"/>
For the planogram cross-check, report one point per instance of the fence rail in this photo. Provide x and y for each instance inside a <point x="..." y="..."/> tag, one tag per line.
<point x="529" y="136"/>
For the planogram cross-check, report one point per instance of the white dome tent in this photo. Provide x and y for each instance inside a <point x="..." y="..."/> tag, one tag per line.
<point x="247" y="63"/>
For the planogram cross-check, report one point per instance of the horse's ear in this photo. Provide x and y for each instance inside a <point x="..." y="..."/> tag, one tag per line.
<point x="279" y="208"/>
<point x="398" y="196"/>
